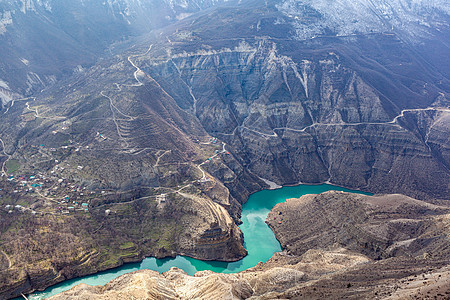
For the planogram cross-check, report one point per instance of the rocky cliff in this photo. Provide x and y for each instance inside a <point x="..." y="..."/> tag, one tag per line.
<point x="376" y="226"/>
<point x="314" y="117"/>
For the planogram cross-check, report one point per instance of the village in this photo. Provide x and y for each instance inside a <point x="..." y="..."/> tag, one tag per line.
<point x="55" y="191"/>
<point x="43" y="194"/>
<point x="51" y="192"/>
<point x="46" y="192"/>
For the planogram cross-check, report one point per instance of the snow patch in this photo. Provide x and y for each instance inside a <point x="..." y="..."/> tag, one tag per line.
<point x="5" y="20"/>
<point x="312" y="18"/>
<point x="4" y="85"/>
<point x="26" y="62"/>
<point x="27" y="5"/>
<point x="183" y="16"/>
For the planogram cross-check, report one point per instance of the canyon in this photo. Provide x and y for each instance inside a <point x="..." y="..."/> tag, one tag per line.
<point x="365" y="247"/>
<point x="199" y="103"/>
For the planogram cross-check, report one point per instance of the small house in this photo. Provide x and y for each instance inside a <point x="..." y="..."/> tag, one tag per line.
<point x="161" y="198"/>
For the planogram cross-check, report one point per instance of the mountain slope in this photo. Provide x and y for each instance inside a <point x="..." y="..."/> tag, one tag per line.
<point x="45" y="41"/>
<point x="335" y="109"/>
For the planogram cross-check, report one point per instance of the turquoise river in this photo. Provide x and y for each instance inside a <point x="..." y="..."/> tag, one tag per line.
<point x="259" y="241"/>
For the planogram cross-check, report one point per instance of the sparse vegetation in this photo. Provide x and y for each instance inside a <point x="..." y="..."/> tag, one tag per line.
<point x="12" y="166"/>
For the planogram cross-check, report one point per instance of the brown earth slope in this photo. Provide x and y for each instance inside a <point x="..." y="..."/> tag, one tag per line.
<point x="378" y="226"/>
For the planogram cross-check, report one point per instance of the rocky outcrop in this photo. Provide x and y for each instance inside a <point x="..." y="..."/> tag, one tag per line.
<point x="376" y="226"/>
<point x="54" y="248"/>
<point x="211" y="233"/>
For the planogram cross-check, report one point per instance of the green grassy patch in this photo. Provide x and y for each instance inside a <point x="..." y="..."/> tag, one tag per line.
<point x="109" y="263"/>
<point x="127" y="245"/>
<point x="12" y="165"/>
<point x="129" y="255"/>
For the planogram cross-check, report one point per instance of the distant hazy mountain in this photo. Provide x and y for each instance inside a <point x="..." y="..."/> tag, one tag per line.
<point x="416" y="18"/>
<point x="40" y="41"/>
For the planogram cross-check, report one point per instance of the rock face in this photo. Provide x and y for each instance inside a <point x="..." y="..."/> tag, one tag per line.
<point x="376" y="226"/>
<point x="407" y="238"/>
<point x="313" y="115"/>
